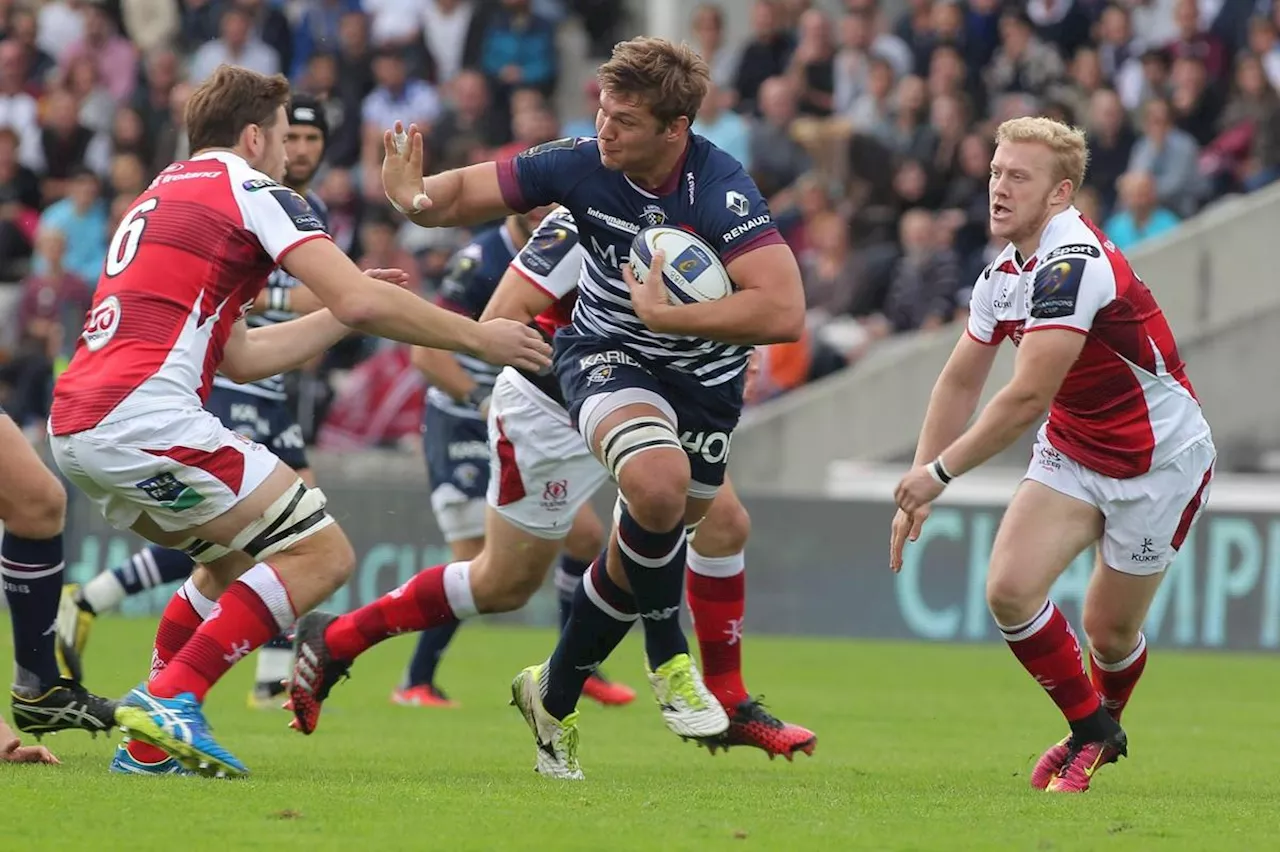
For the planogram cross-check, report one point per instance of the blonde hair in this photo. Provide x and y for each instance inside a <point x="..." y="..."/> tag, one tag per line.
<point x="1070" y="151"/>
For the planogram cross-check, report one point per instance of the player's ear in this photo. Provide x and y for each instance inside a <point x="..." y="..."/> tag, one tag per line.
<point x="677" y="128"/>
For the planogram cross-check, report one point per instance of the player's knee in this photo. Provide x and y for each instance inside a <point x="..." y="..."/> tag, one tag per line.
<point x="1011" y="600"/>
<point x="41" y="512"/>
<point x="1109" y="638"/>
<point x="656" y="494"/>
<point x="725" y="529"/>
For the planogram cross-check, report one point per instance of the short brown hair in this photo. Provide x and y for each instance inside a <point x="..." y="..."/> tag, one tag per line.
<point x="671" y="79"/>
<point x="228" y="102"/>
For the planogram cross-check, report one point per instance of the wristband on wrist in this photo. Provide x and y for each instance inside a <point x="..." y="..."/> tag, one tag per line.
<point x="939" y="472"/>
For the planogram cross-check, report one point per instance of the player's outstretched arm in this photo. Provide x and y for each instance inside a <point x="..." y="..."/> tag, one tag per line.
<point x="458" y="197"/>
<point x="767" y="305"/>
<point x="13" y="751"/>
<point x="387" y="310"/>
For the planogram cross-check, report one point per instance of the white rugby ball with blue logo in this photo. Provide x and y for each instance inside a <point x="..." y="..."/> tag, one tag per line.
<point x="692" y="271"/>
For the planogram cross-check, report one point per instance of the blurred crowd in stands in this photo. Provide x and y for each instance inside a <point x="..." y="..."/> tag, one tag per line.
<point x="869" y="130"/>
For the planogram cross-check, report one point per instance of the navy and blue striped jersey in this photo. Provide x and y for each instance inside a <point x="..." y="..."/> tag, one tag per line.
<point x="273" y="387"/>
<point x="709" y="194"/>
<point x="471" y="277"/>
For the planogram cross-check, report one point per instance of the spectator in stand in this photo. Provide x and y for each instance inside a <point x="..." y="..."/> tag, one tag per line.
<point x="97" y="107"/>
<point x="1023" y="63"/>
<point x="965" y="203"/>
<point x="128" y="177"/>
<point x="116" y="56"/>
<point x="775" y="159"/>
<point x="378" y="239"/>
<point x="355" y="58"/>
<point x="453" y="32"/>
<point x="152" y="98"/>
<point x="1155" y="79"/>
<point x="1063" y="23"/>
<point x="317" y="30"/>
<point x="23" y="32"/>
<point x="1153" y="22"/>
<point x="1253" y="112"/>
<point x="1197" y="42"/>
<point x="49" y="317"/>
<point x="237" y="45"/>
<point x="1196" y="107"/>
<point x="531" y="125"/>
<point x="726" y="129"/>
<point x="67" y="146"/>
<point x="811" y="68"/>
<point x="585" y="123"/>
<point x="59" y="24"/>
<point x="171" y="141"/>
<point x="926" y="279"/>
<point x="18" y="110"/>
<point x="829" y="269"/>
<point x="765" y="56"/>
<point x="1264" y="44"/>
<point x="907" y="133"/>
<point x="129" y="136"/>
<point x="1111" y="141"/>
<point x="469" y="127"/>
<point x="1139" y="217"/>
<point x="1120" y="53"/>
<point x="708" y="35"/>
<point x="396" y="25"/>
<point x="874" y="107"/>
<point x="851" y="65"/>
<point x="82" y="218"/>
<point x="519" y="51"/>
<point x="1170" y="156"/>
<point x="396" y="98"/>
<point x="883" y="43"/>
<point x="19" y="206"/>
<point x="1085" y="77"/>
<point x="151" y="24"/>
<point x="269" y="25"/>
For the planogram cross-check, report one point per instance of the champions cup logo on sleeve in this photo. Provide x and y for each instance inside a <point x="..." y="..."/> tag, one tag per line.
<point x="304" y="218"/>
<point x="1056" y="287"/>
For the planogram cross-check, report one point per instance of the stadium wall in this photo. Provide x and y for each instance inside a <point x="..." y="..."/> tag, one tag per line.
<point x="1213" y="279"/>
<point x="818" y="565"/>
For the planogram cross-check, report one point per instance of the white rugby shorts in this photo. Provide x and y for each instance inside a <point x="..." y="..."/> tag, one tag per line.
<point x="181" y="468"/>
<point x="1146" y="518"/>
<point x="541" y="471"/>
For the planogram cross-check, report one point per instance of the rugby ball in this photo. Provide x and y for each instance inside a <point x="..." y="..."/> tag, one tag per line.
<point x="692" y="271"/>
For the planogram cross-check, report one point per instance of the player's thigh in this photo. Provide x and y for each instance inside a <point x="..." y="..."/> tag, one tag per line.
<point x="32" y="500"/>
<point x="457" y="455"/>
<point x="1042" y="531"/>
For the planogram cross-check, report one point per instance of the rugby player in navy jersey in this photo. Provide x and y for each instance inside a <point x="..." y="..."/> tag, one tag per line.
<point x="641" y="377"/>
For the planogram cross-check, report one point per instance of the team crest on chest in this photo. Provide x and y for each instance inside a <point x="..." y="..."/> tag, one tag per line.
<point x="653" y="215"/>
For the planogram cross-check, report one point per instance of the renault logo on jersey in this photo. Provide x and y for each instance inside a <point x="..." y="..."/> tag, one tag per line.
<point x="737" y="202"/>
<point x="653" y="214"/>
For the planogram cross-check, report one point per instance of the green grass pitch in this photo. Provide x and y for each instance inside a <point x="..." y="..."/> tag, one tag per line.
<point x="920" y="748"/>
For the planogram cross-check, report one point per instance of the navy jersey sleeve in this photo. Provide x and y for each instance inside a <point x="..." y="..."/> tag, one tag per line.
<point x="461" y="290"/>
<point x="735" y="218"/>
<point x="319" y="208"/>
<point x="546" y="173"/>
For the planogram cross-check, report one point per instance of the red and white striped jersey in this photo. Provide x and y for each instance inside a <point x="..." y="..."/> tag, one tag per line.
<point x="186" y="262"/>
<point x="1126" y="405"/>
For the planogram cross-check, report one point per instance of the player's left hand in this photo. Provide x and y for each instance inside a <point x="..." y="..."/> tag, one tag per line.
<point x="402" y="169"/>
<point x="392" y="276"/>
<point x="649" y="297"/>
<point x="13" y="751"/>
<point x="916" y="489"/>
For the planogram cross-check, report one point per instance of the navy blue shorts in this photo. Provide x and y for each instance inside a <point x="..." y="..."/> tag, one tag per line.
<point x="706" y="416"/>
<point x="457" y="451"/>
<point x="267" y="421"/>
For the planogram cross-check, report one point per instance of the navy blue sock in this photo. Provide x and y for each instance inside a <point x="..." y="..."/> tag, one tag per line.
<point x="569" y="573"/>
<point x="151" y="567"/>
<point x="602" y="614"/>
<point x="654" y="563"/>
<point x="32" y="571"/>
<point x="426" y="656"/>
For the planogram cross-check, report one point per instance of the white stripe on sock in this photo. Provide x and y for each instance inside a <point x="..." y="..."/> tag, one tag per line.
<point x="1019" y="632"/>
<point x="265" y="582"/>
<point x="151" y="578"/>
<point x="716" y="566"/>
<point x="650" y="561"/>
<point x="601" y="604"/>
<point x="457" y="590"/>
<point x="1127" y="661"/>
<point x="9" y="568"/>
<point x="202" y="605"/>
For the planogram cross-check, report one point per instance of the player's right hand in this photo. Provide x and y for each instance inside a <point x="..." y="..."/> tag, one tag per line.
<point x="504" y="341"/>
<point x="402" y="169"/>
<point x="13" y="751"/>
<point x="905" y="528"/>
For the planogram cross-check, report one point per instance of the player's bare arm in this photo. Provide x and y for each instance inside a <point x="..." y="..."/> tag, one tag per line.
<point x="1044" y="358"/>
<point x="951" y="404"/>
<point x="387" y="310"/>
<point x="256" y="353"/>
<point x="517" y="298"/>
<point x="767" y="305"/>
<point x="13" y="751"/>
<point x="458" y="197"/>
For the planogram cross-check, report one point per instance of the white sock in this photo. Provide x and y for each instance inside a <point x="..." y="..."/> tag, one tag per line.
<point x="104" y="593"/>
<point x="274" y="665"/>
<point x="457" y="590"/>
<point x="716" y="566"/>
